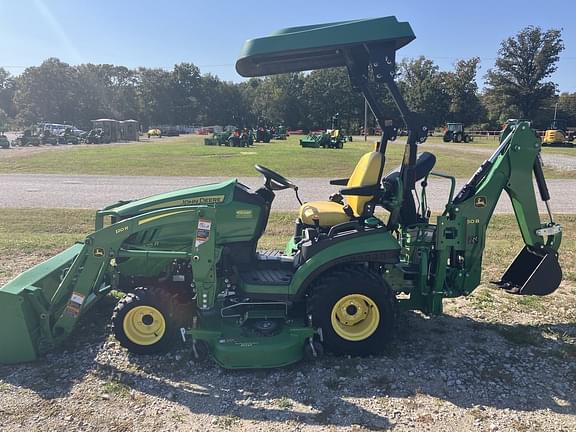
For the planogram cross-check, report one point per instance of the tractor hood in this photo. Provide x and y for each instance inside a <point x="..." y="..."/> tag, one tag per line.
<point x="209" y="194"/>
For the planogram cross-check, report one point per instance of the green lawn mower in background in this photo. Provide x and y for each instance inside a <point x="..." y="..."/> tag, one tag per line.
<point x="333" y="138"/>
<point x="217" y="138"/>
<point x="189" y="264"/>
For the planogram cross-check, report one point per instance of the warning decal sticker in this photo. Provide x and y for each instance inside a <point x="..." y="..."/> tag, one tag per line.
<point x="74" y="305"/>
<point x="203" y="232"/>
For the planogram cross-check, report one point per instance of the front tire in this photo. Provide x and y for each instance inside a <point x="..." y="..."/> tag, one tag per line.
<point x="355" y="308"/>
<point x="142" y="323"/>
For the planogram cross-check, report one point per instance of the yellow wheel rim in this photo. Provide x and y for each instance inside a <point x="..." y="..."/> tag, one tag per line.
<point x="144" y="325"/>
<point x="355" y="317"/>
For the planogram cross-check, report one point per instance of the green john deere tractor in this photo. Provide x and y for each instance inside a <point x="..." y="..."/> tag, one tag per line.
<point x="189" y="262"/>
<point x="263" y="134"/>
<point x="455" y="132"/>
<point x="331" y="138"/>
<point x="68" y="137"/>
<point x="48" y="138"/>
<point x="30" y="137"/>
<point x="280" y="133"/>
<point x="241" y="138"/>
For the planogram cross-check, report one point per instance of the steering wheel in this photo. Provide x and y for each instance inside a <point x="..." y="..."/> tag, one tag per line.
<point x="274" y="181"/>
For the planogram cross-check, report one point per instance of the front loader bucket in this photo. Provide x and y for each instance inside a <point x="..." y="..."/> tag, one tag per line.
<point x="25" y="305"/>
<point x="532" y="273"/>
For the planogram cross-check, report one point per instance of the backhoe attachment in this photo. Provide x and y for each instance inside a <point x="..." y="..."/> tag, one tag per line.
<point x="514" y="167"/>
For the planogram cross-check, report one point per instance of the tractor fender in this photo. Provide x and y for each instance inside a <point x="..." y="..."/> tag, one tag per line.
<point x="379" y="247"/>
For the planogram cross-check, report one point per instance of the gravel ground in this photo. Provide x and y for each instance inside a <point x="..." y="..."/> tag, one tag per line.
<point x="493" y="362"/>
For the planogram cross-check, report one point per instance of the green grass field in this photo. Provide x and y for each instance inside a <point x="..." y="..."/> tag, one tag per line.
<point x="32" y="235"/>
<point x="187" y="156"/>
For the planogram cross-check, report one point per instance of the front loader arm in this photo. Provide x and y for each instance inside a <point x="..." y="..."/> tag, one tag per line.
<point x="41" y="306"/>
<point x="85" y="282"/>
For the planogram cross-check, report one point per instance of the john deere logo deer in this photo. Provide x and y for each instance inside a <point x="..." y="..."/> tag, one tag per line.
<point x="480" y="201"/>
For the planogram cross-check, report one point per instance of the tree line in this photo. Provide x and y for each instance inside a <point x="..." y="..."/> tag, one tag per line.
<point x="518" y="86"/>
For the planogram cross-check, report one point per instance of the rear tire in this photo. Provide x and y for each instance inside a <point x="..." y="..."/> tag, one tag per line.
<point x="467" y="139"/>
<point x="141" y="322"/>
<point x="355" y="308"/>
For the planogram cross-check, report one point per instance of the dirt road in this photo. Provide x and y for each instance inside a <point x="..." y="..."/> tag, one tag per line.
<point x="60" y="191"/>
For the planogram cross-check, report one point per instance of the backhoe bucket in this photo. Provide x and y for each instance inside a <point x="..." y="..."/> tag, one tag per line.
<point x="532" y="273"/>
<point x="25" y="305"/>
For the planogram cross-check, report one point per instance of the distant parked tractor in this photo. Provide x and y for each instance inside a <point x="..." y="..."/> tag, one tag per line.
<point x="4" y="142"/>
<point x="332" y="138"/>
<point x="454" y="132"/>
<point x="47" y="137"/>
<point x="68" y="137"/>
<point x="280" y="133"/>
<point x="241" y="138"/>
<point x="263" y="134"/>
<point x="95" y="136"/>
<point x="28" y="138"/>
<point x="557" y="135"/>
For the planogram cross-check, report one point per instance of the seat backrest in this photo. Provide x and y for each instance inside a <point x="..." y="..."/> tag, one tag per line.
<point x="368" y="172"/>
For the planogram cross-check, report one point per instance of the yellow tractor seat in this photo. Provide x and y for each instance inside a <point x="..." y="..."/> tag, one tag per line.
<point x="368" y="172"/>
<point x="329" y="213"/>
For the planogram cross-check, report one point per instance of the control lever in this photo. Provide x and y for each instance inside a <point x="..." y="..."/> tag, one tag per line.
<point x="316" y="220"/>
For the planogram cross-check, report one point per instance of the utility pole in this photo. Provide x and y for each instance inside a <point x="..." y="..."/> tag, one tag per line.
<point x="555" y="109"/>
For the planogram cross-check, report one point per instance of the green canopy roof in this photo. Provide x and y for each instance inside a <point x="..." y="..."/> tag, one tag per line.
<point x="318" y="46"/>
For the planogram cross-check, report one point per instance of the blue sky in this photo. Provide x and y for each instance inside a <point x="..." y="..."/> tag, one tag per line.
<point x="210" y="33"/>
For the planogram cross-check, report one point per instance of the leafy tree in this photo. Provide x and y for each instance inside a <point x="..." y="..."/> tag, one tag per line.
<point x="567" y="107"/>
<point x="327" y="92"/>
<point x="7" y="88"/>
<point x="186" y="93"/>
<point x="517" y="86"/>
<point x="155" y="90"/>
<point x="48" y="93"/>
<point x="224" y="103"/>
<point x="279" y="99"/>
<point x="424" y="89"/>
<point x="465" y="105"/>
<point x="3" y="120"/>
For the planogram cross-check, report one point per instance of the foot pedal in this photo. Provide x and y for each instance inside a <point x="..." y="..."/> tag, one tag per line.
<point x="532" y="273"/>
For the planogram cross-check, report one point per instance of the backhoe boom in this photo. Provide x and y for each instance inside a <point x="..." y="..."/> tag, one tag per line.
<point x="513" y="167"/>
